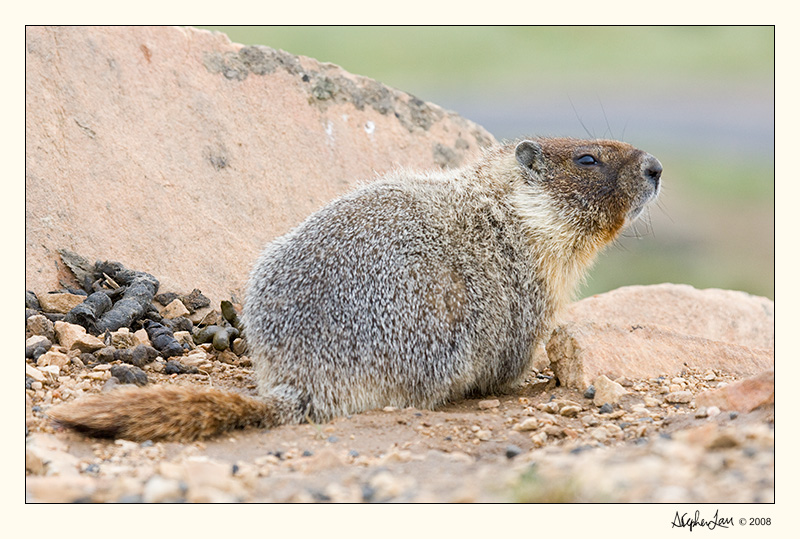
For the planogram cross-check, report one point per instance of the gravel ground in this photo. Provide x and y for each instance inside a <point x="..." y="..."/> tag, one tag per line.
<point x="542" y="444"/>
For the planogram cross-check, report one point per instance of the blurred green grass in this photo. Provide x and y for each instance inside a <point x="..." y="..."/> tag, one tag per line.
<point x="714" y="226"/>
<point x="416" y="58"/>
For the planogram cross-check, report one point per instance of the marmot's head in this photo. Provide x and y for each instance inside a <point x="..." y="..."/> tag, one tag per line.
<point x="597" y="186"/>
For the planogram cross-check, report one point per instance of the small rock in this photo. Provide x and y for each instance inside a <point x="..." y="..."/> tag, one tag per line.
<point x="483" y="435"/>
<point x="589" y="393"/>
<point x="87" y="343"/>
<point x="549" y="407"/>
<point x="141" y="337"/>
<point x="607" y="391"/>
<point x="512" y="451"/>
<point x="184" y="338"/>
<point x="174" y="309"/>
<point x="589" y="420"/>
<point x="555" y="431"/>
<point x="157" y="366"/>
<point x="599" y="433"/>
<point x="239" y="346"/>
<point x="68" y="333"/>
<point x="489" y="404"/>
<point x="228" y="357"/>
<point x="162" y="490"/>
<point x="34" y="373"/>
<point x="742" y="396"/>
<point x="60" y="303"/>
<point x="53" y="358"/>
<point x="37" y="345"/>
<point x="59" y="489"/>
<point x="539" y="439"/>
<point x="50" y="372"/>
<point x="570" y="410"/>
<point x="386" y="486"/>
<point x="530" y="423"/>
<point x="205" y="472"/>
<point x="395" y="456"/>
<point x="123" y="338"/>
<point x="129" y="374"/>
<point x="606" y="409"/>
<point x="31" y="301"/>
<point x="651" y="402"/>
<point x="40" y="325"/>
<point x="197" y="358"/>
<point x="324" y="459"/>
<point x="679" y="397"/>
<point x="36" y="340"/>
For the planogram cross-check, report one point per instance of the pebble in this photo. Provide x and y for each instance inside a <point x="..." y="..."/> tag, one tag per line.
<point x="607" y="391"/>
<point x="385" y="486"/>
<point x="589" y="393"/>
<point x="489" y="404"/>
<point x="123" y="338"/>
<point x="512" y="451"/>
<point x="50" y="372"/>
<point x="528" y="424"/>
<point x="87" y="343"/>
<point x="174" y="309"/>
<point x="40" y="325"/>
<point x="549" y="407"/>
<point x="679" y="397"/>
<point x="555" y="431"/>
<point x="483" y="435"/>
<point x="159" y="489"/>
<point x="606" y="409"/>
<point x="570" y="410"/>
<point x="141" y="337"/>
<point x="67" y="333"/>
<point x="239" y="346"/>
<point x="53" y="358"/>
<point x="60" y="303"/>
<point x="539" y="439"/>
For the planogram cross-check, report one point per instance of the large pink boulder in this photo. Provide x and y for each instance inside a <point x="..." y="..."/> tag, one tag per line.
<point x="181" y="154"/>
<point x="648" y="331"/>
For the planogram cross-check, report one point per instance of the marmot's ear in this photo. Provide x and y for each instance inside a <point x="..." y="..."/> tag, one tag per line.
<point x="529" y="155"/>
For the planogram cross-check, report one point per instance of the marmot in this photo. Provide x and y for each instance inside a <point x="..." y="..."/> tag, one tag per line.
<point x="414" y="290"/>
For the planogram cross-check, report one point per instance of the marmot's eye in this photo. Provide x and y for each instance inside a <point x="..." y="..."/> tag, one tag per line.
<point x="587" y="160"/>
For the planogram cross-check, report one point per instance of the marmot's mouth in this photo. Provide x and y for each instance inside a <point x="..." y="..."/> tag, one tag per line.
<point x="639" y="205"/>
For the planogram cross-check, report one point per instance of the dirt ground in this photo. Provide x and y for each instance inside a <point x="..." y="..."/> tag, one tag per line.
<point x="542" y="444"/>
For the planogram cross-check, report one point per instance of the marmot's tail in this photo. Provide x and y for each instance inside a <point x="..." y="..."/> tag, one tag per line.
<point x="175" y="413"/>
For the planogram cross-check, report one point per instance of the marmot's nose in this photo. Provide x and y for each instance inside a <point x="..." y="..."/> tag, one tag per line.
<point x="651" y="169"/>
